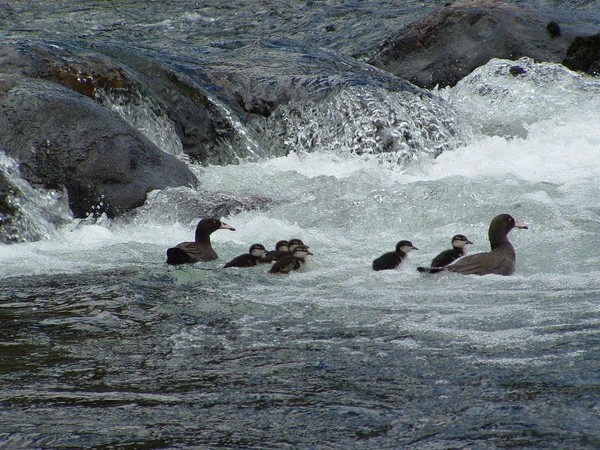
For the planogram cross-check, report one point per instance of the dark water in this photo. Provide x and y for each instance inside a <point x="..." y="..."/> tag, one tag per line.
<point x="169" y="24"/>
<point x="143" y="361"/>
<point x="350" y="27"/>
<point x="102" y="347"/>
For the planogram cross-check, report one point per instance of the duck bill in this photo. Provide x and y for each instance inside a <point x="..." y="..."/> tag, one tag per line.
<point x="521" y="225"/>
<point x="226" y="226"/>
<point x="469" y="242"/>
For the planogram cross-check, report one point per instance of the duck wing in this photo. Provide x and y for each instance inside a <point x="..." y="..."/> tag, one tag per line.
<point x="273" y="256"/>
<point x="446" y="257"/>
<point x="190" y="252"/>
<point x="286" y="265"/>
<point x="245" y="260"/>
<point x="387" y="261"/>
<point x="484" y="264"/>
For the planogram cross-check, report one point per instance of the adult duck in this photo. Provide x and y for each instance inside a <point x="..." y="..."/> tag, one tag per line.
<point x="200" y="249"/>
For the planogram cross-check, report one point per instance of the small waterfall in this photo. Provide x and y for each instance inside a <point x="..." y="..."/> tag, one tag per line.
<point x="27" y="213"/>
<point x="397" y="127"/>
<point x="142" y="114"/>
<point x="245" y="146"/>
<point x="362" y="119"/>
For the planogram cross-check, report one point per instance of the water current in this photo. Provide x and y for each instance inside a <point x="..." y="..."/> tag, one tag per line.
<point x="102" y="345"/>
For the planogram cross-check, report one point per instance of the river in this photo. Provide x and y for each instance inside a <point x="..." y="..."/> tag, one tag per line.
<point x="104" y="346"/>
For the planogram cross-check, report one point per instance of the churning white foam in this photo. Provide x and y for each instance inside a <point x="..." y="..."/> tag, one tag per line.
<point x="353" y="207"/>
<point x="555" y="151"/>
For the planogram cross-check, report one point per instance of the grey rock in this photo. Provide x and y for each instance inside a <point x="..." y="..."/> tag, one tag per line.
<point x="64" y="140"/>
<point x="448" y="44"/>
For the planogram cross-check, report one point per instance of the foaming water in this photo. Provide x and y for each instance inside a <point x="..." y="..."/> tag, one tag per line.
<point x="335" y="200"/>
<point x="352" y="208"/>
<point x="539" y="158"/>
<point x="395" y="127"/>
<point x="495" y="102"/>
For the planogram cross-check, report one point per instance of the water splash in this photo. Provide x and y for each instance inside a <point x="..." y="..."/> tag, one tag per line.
<point x="502" y="98"/>
<point x="243" y="146"/>
<point x="397" y="127"/>
<point x="186" y="205"/>
<point x="27" y="213"/>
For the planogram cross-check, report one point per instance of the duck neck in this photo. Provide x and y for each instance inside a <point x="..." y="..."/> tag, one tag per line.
<point x="459" y="251"/>
<point x="202" y="238"/>
<point x="503" y="246"/>
<point x="495" y="245"/>
<point x="497" y="239"/>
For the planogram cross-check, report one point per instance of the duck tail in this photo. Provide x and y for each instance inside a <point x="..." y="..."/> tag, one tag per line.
<point x="177" y="256"/>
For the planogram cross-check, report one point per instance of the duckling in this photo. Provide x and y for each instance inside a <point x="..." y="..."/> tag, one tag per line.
<point x="281" y="250"/>
<point x="295" y="261"/>
<point x="256" y="252"/>
<point x="391" y="260"/>
<point x="458" y="250"/>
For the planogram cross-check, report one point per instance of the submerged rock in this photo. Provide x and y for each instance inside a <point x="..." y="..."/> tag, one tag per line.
<point x="451" y="42"/>
<point x="208" y="98"/>
<point x="262" y="76"/>
<point x="395" y="127"/>
<point x="64" y="140"/>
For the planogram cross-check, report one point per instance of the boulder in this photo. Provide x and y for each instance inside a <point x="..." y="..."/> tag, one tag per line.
<point x="448" y="44"/>
<point x="201" y="126"/>
<point x="65" y="141"/>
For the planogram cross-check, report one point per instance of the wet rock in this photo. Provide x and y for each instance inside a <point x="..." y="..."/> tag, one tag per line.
<point x="451" y="42"/>
<point x="83" y="72"/>
<point x="65" y="141"/>
<point x="251" y="80"/>
<point x="553" y="29"/>
<point x="209" y="97"/>
<point x="296" y="73"/>
<point x="200" y="125"/>
<point x="584" y="54"/>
